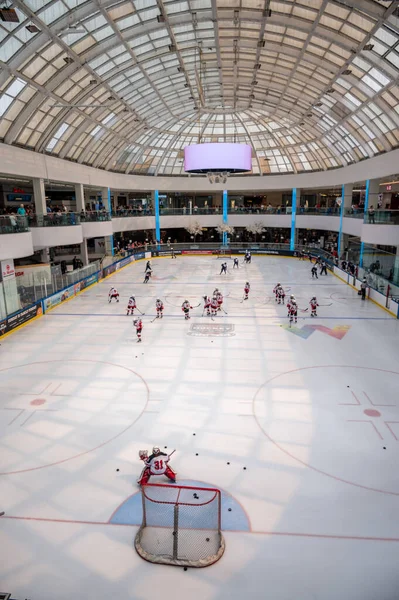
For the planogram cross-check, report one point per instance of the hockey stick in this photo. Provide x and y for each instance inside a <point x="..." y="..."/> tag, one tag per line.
<point x="173" y="451"/>
<point x="157" y="317"/>
<point x="326" y="304"/>
<point x="140" y="311"/>
<point x="303" y="309"/>
<point x="224" y="310"/>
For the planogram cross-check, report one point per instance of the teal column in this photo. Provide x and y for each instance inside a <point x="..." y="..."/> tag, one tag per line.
<point x="341" y="217"/>
<point x="157" y="220"/>
<point x="293" y="218"/>
<point x="366" y="205"/>
<point x="225" y="217"/>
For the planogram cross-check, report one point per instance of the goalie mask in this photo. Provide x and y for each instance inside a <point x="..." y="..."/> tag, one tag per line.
<point x="156" y="450"/>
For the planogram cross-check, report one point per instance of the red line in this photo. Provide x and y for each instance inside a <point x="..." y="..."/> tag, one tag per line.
<point x="295" y="458"/>
<point x="386" y="423"/>
<point x="26" y="420"/>
<point x="103" y="362"/>
<point x="277" y="533"/>
<point x="371" y="402"/>
<point x="365" y="421"/>
<point x="357" y="403"/>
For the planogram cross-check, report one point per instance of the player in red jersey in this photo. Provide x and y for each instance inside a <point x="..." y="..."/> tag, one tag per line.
<point x="247" y="287"/>
<point x="131" y="305"/>
<point x="313" y="306"/>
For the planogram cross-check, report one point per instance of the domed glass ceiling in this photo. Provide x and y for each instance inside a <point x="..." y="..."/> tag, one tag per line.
<point x="125" y="85"/>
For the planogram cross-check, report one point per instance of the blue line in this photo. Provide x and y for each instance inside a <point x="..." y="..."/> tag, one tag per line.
<point x="157" y="220"/>
<point x="293" y="219"/>
<point x="231" y="316"/>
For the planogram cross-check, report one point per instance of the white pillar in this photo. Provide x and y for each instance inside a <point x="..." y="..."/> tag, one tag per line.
<point x="80" y="197"/>
<point x="39" y="195"/>
<point x="347" y="191"/>
<point x="84" y="255"/>
<point x="372" y="195"/>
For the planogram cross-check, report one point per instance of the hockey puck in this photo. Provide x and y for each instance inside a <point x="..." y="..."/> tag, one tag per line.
<point x="245" y="468"/>
<point x="229" y="509"/>
<point x="165" y="447"/>
<point x="193" y="433"/>
<point x="185" y="568"/>
<point x="196" y="454"/>
<point x="207" y="539"/>
<point x="117" y="469"/>
<point x="228" y="463"/>
<point x="384" y="448"/>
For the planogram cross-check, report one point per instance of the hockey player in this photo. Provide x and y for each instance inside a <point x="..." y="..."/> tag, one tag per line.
<point x="223" y="269"/>
<point x="219" y="298"/>
<point x="156" y="464"/>
<point x="207" y="305"/>
<point x="131" y="305"/>
<point x="148" y="266"/>
<point x="247" y="287"/>
<point x="159" y="307"/>
<point x="293" y="310"/>
<point x="186" y="309"/>
<point x="275" y="291"/>
<point x="314" y="272"/>
<point x="235" y="264"/>
<point x="138" y="324"/>
<point x="323" y="268"/>
<point x="247" y="258"/>
<point x="147" y="276"/>
<point x="214" y="306"/>
<point x="313" y="306"/>
<point x="113" y="293"/>
<point x="172" y="253"/>
<point x="281" y="294"/>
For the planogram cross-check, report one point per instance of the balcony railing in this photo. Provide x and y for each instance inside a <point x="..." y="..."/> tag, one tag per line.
<point x="94" y="216"/>
<point x="54" y="220"/>
<point x="382" y="217"/>
<point x="13" y="224"/>
<point x="133" y="212"/>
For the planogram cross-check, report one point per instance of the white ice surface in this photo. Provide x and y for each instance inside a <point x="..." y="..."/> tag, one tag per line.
<point x="320" y="491"/>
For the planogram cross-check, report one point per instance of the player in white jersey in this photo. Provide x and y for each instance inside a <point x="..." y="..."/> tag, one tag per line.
<point x="138" y="324"/>
<point x="186" y="309"/>
<point x="293" y="310"/>
<point x="219" y="297"/>
<point x="113" y="294"/>
<point x="207" y="305"/>
<point x="275" y="290"/>
<point x="131" y="305"/>
<point x="156" y="464"/>
<point x="159" y="307"/>
<point x="280" y="295"/>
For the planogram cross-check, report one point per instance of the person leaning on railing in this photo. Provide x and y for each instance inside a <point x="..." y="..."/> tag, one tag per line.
<point x="371" y="214"/>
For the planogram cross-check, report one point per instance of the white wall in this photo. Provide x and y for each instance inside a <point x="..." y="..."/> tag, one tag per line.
<point x="97" y="229"/>
<point x="317" y="222"/>
<point x="16" y="161"/>
<point x="352" y="226"/>
<point x="15" y="245"/>
<point x="133" y="223"/>
<point x="387" y="235"/>
<point x="47" y="237"/>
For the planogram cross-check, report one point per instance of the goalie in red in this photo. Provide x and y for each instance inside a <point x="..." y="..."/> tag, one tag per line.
<point x="156" y="464"/>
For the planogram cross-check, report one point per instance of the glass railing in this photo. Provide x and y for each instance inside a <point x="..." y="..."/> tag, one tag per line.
<point x="283" y="210"/>
<point x="354" y="213"/>
<point x="125" y="211"/>
<point x="13" y="224"/>
<point x="94" y="216"/>
<point x="54" y="220"/>
<point x="382" y="217"/>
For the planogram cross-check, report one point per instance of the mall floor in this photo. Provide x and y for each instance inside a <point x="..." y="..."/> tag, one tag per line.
<point x="299" y="429"/>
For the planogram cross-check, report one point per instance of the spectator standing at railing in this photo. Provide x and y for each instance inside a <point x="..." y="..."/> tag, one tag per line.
<point x="21" y="211"/>
<point x="371" y="214"/>
<point x="195" y="209"/>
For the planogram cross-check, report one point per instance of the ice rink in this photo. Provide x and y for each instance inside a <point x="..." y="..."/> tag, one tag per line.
<point x="311" y="413"/>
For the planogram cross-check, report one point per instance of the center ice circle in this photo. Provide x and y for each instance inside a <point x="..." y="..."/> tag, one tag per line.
<point x="322" y="417"/>
<point x="56" y="411"/>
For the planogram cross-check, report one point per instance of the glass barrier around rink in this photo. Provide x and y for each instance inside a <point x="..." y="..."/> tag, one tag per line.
<point x="13" y="223"/>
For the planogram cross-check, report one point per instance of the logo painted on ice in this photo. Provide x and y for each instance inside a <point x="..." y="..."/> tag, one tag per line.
<point x="211" y="330"/>
<point x="304" y="332"/>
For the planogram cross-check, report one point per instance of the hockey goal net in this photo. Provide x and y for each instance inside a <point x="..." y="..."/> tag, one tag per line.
<point x="181" y="526"/>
